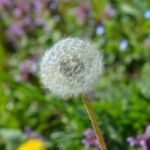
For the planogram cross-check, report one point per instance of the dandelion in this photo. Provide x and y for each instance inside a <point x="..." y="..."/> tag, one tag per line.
<point x="32" y="144"/>
<point x="72" y="67"/>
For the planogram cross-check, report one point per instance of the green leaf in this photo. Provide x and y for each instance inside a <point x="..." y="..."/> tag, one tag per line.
<point x="12" y="138"/>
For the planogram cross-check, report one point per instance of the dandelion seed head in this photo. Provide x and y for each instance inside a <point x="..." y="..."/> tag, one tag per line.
<point x="72" y="66"/>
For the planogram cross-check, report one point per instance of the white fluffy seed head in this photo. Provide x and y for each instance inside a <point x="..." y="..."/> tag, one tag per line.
<point x="70" y="67"/>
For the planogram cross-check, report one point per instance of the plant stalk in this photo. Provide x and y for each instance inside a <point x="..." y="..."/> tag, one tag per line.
<point x="94" y="122"/>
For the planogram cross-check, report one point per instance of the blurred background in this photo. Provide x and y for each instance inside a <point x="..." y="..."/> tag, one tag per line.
<point x="34" y="119"/>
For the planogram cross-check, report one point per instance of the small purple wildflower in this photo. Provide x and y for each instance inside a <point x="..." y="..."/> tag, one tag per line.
<point x="21" y="9"/>
<point x="56" y="18"/>
<point x="39" y="22"/>
<point x="109" y="11"/>
<point x="17" y="12"/>
<point x="24" y="6"/>
<point x="142" y="142"/>
<point x="37" y="4"/>
<point x="53" y="4"/>
<point x="123" y="45"/>
<point x="27" y="68"/>
<point x="100" y="30"/>
<point x="82" y="12"/>
<point x="90" y="140"/>
<point x="5" y="3"/>
<point x="131" y="141"/>
<point x="26" y="16"/>
<point x="147" y="132"/>
<point x="27" y="21"/>
<point x="15" y="30"/>
<point x="147" y="14"/>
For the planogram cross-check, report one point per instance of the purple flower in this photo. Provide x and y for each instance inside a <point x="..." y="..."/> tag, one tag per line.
<point x="37" y="5"/>
<point x="147" y="14"/>
<point x="27" y="21"/>
<point x="82" y="12"/>
<point x="5" y="3"/>
<point x="17" y="12"/>
<point x="142" y="142"/>
<point x="53" y="4"/>
<point x="27" y="68"/>
<point x="39" y="22"/>
<point x="15" y="30"/>
<point x="147" y="132"/>
<point x="90" y="134"/>
<point x="123" y="45"/>
<point x="56" y="18"/>
<point x="131" y="141"/>
<point x="24" y="6"/>
<point x="21" y="8"/>
<point x="90" y="140"/>
<point x="109" y="11"/>
<point x="100" y="30"/>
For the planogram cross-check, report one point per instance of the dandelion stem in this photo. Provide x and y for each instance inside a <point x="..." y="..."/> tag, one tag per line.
<point x="92" y="117"/>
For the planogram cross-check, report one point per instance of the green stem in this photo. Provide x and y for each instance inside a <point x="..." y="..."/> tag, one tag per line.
<point x="92" y="117"/>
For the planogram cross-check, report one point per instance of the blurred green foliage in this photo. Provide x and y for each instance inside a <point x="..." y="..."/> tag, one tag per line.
<point x="121" y="98"/>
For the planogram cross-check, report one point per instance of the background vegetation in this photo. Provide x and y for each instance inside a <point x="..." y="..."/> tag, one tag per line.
<point x="120" y="29"/>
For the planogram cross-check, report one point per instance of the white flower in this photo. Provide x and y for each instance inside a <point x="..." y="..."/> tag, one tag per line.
<point x="70" y="67"/>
